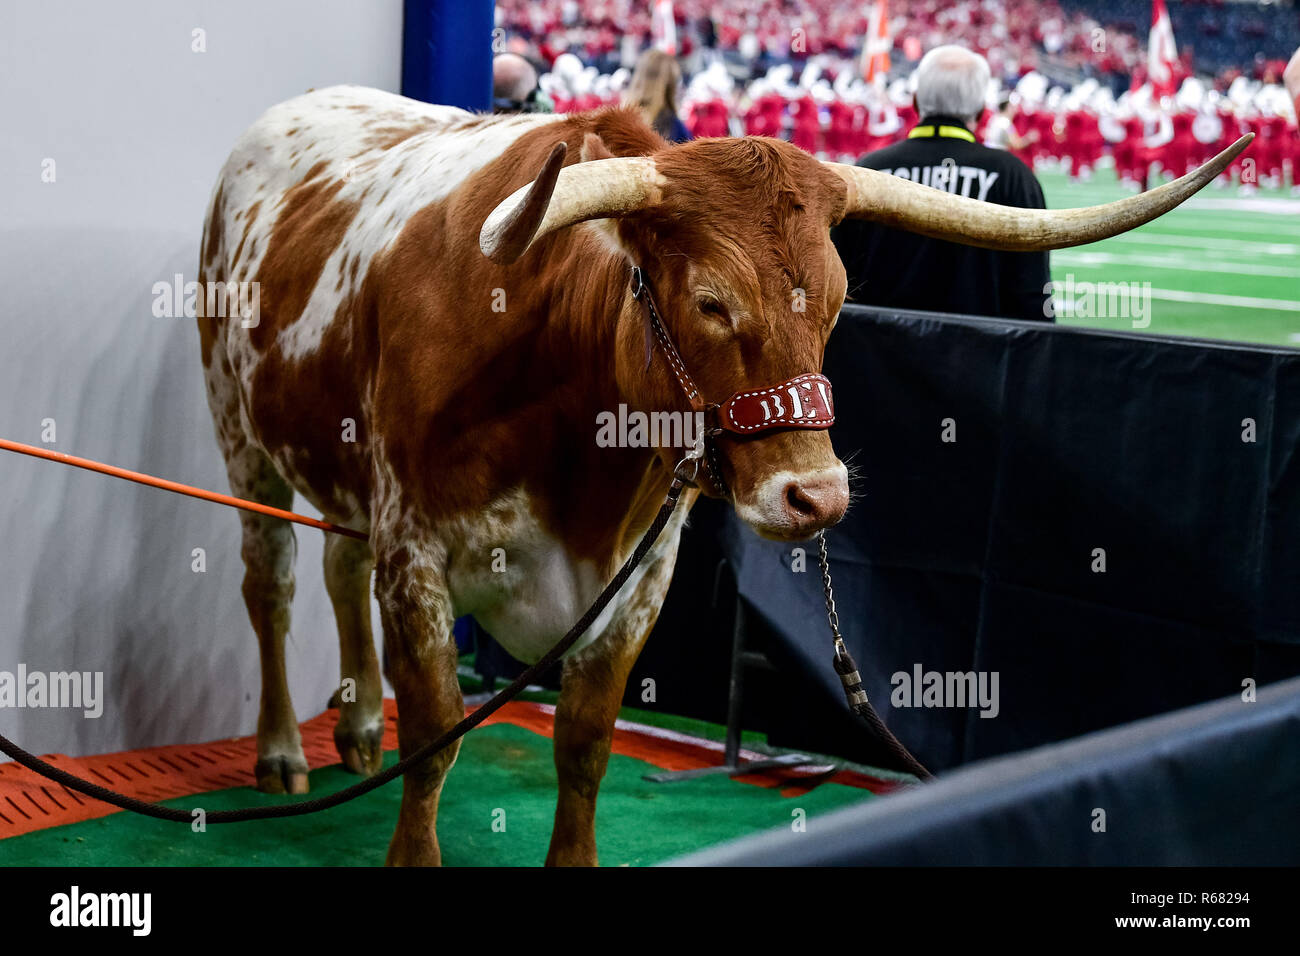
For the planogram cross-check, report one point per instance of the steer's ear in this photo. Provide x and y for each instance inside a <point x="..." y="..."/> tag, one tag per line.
<point x="593" y="148"/>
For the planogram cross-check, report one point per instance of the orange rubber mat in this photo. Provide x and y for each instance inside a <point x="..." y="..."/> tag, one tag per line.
<point x="30" y="802"/>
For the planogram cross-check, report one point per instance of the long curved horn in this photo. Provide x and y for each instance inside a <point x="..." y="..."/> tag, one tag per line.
<point x="883" y="198"/>
<point x="600" y="189"/>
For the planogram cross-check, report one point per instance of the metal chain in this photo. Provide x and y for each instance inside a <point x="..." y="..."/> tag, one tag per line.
<point x="829" y="593"/>
<point x="847" y="670"/>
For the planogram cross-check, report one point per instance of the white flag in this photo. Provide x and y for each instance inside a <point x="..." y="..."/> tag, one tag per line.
<point x="1161" y="52"/>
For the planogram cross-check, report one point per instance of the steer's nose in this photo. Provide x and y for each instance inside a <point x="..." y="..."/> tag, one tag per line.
<point x="816" y="501"/>
<point x="794" y="505"/>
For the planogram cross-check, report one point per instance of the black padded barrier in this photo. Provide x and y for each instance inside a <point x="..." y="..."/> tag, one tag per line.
<point x="978" y="554"/>
<point x="1211" y="785"/>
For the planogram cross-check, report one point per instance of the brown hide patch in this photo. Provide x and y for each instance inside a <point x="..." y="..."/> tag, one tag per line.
<point x="251" y="217"/>
<point x="310" y="226"/>
<point x="216" y="227"/>
<point x="208" y="256"/>
<point x="299" y="408"/>
<point x="621" y="129"/>
<point x="207" y="331"/>
<point x="777" y="209"/>
<point x="472" y="403"/>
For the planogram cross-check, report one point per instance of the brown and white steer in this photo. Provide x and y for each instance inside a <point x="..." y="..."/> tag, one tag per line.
<point x="466" y="330"/>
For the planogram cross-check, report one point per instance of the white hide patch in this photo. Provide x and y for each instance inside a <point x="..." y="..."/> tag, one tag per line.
<point x="334" y="127"/>
<point x="542" y="590"/>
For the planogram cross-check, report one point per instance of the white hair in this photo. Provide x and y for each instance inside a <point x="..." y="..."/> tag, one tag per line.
<point x="952" y="81"/>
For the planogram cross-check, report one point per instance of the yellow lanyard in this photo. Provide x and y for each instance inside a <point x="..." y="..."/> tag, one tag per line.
<point x="950" y="132"/>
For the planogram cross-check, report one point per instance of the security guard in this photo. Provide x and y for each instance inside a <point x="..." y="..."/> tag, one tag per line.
<point x="896" y="269"/>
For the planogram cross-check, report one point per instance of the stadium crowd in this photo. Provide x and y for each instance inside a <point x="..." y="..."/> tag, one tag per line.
<point x="1075" y="77"/>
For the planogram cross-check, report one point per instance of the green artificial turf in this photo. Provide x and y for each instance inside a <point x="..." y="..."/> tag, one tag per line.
<point x="504" y="772"/>
<point x="1222" y="265"/>
<point x="470" y="683"/>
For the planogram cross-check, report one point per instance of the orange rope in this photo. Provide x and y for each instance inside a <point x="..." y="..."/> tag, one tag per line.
<point x="177" y="487"/>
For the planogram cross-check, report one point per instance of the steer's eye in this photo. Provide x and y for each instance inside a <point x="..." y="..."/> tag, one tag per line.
<point x="712" y="307"/>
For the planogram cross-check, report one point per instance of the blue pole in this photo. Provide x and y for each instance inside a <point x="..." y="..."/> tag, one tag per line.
<point x="447" y="52"/>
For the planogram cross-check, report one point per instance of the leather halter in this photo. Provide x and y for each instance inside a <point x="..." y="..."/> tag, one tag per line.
<point x="803" y="401"/>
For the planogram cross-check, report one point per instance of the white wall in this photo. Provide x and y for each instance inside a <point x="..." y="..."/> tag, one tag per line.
<point x="95" y="573"/>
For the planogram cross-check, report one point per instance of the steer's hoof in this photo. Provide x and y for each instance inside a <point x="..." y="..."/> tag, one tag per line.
<point x="362" y="750"/>
<point x="281" y="775"/>
<point x="420" y="850"/>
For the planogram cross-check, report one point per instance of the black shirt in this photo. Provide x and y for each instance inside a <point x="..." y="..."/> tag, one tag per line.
<point x="898" y="269"/>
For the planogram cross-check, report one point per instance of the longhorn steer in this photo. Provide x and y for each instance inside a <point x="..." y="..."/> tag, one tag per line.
<point x="413" y="283"/>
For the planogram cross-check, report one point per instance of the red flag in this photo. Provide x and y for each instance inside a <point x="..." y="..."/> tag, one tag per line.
<point x="663" y="27"/>
<point x="1161" y="52"/>
<point x="877" y="43"/>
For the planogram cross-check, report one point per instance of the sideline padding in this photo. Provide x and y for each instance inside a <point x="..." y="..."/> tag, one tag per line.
<point x="29" y="802"/>
<point x="1213" y="785"/>
<point x="978" y="553"/>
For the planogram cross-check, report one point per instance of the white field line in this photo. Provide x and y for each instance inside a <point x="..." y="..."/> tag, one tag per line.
<point x="1254" y="204"/>
<point x="1253" y="225"/>
<point x="1065" y="307"/>
<point x="1224" y="207"/>
<point x="1244" y="246"/>
<point x="1098" y="259"/>
<point x="1237" y="207"/>
<point x="1284" y="228"/>
<point x="1232" y="301"/>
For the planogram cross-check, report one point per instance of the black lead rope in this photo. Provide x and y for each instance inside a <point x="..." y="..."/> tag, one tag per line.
<point x="854" y="692"/>
<point x="684" y="474"/>
<point x="36" y="764"/>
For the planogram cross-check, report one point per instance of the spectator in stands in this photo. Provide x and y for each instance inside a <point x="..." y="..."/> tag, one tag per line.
<point x="896" y="269"/>
<point x="653" y="90"/>
<point x="514" y="86"/>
